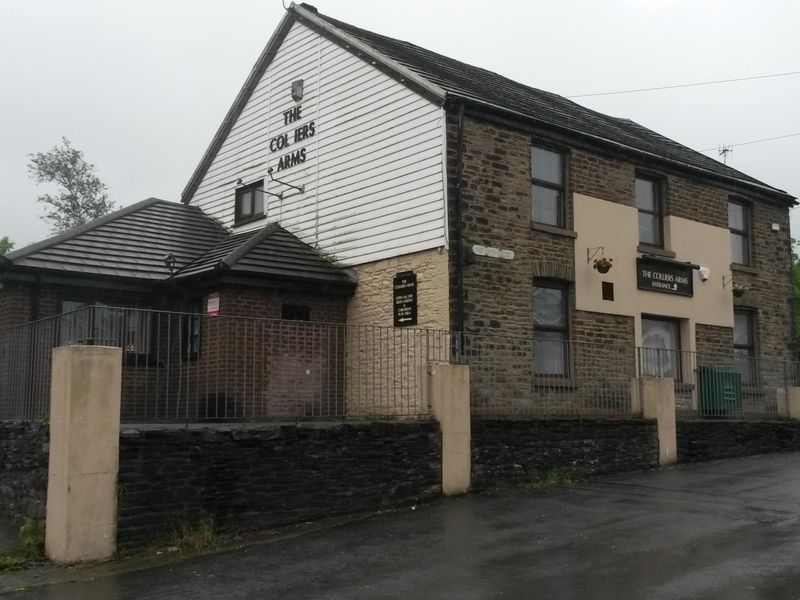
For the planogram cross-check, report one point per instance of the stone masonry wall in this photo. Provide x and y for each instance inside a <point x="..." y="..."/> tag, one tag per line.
<point x="249" y="477"/>
<point x="383" y="363"/>
<point x="496" y="211"/>
<point x="710" y="339"/>
<point x="717" y="439"/>
<point x="518" y="452"/>
<point x="372" y="302"/>
<point x="768" y="280"/>
<point x="603" y="177"/>
<point x="24" y="455"/>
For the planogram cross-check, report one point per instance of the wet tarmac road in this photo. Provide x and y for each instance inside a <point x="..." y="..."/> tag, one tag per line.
<point x="724" y="530"/>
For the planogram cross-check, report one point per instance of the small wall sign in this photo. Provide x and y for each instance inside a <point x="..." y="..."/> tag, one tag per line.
<point x="405" y="299"/>
<point x="665" y="277"/>
<point x="212" y="305"/>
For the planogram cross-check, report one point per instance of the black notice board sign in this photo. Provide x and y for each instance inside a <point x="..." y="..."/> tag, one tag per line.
<point x="665" y="277"/>
<point x="405" y="299"/>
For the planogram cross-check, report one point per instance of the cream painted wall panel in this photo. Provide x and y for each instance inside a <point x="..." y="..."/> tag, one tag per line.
<point x="614" y="227"/>
<point x="374" y="173"/>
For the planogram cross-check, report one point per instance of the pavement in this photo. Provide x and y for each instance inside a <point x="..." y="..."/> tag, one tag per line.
<point x="720" y="530"/>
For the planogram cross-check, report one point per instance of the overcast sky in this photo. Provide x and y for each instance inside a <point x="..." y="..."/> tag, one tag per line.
<point x="141" y="86"/>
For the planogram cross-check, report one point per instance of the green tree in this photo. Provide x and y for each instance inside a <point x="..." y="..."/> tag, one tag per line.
<point x="6" y="245"/>
<point x="81" y="195"/>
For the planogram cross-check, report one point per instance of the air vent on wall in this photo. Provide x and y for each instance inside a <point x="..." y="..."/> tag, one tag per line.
<point x="608" y="291"/>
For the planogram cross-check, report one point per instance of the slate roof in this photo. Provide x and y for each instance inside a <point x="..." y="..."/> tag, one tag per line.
<point x="271" y="252"/>
<point x="485" y="87"/>
<point x="445" y="78"/>
<point x="132" y="243"/>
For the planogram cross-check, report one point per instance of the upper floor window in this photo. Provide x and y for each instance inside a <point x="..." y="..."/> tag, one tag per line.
<point x="739" y="224"/>
<point x="651" y="212"/>
<point x="548" y="186"/>
<point x="551" y="355"/>
<point x="249" y="203"/>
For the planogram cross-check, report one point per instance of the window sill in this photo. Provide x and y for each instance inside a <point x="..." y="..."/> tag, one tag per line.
<point x="654" y="250"/>
<point x="554" y="230"/>
<point x="246" y="220"/>
<point x="743" y="269"/>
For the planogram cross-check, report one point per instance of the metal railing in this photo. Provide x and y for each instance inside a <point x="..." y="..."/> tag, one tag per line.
<point x="190" y="367"/>
<point x="516" y="377"/>
<point x="732" y="385"/>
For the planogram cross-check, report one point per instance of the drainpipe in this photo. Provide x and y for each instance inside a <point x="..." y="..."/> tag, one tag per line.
<point x="459" y="232"/>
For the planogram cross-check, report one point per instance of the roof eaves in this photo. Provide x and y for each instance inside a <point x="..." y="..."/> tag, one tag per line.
<point x="243" y="249"/>
<point x="238" y="105"/>
<point x="756" y="185"/>
<point x="404" y="72"/>
<point x="76" y="231"/>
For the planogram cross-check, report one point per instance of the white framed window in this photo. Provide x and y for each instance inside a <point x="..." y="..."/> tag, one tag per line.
<point x="548" y="176"/>
<point x="551" y="352"/>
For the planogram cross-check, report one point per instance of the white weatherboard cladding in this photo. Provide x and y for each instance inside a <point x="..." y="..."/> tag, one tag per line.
<point x="374" y="173"/>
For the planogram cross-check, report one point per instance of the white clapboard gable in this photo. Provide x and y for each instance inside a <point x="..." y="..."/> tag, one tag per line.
<point x="374" y="170"/>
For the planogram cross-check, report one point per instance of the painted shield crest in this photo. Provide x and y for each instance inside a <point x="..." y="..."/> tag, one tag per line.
<point x="297" y="90"/>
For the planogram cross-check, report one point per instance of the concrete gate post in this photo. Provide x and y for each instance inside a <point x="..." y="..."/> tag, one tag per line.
<point x="656" y="396"/>
<point x="793" y="403"/>
<point x="449" y="395"/>
<point x="84" y="454"/>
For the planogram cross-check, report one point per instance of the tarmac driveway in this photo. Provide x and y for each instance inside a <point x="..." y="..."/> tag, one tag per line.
<point x="726" y="530"/>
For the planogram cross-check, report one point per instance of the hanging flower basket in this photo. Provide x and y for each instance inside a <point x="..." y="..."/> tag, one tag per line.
<point x="603" y="265"/>
<point x="740" y="290"/>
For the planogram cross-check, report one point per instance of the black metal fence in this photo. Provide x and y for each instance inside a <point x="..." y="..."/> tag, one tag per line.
<point x="191" y="367"/>
<point x="735" y="385"/>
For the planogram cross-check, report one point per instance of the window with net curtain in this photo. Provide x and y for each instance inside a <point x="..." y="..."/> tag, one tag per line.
<point x="547" y="175"/>
<point x="551" y="330"/>
<point x="651" y="212"/>
<point x="661" y="344"/>
<point x="739" y="225"/>
<point x="96" y="323"/>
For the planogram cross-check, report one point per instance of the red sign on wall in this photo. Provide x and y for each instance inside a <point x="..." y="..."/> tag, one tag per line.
<point x="212" y="306"/>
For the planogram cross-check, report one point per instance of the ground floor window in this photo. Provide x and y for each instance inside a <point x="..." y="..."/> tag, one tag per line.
<point x="295" y="312"/>
<point x="92" y="322"/>
<point x="551" y="353"/>
<point x="192" y="323"/>
<point x="661" y="344"/>
<point x="744" y="347"/>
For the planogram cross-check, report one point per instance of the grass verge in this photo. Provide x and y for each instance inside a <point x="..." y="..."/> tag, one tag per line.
<point x="29" y="550"/>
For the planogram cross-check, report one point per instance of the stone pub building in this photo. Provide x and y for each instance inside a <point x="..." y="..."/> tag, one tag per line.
<point x="349" y="160"/>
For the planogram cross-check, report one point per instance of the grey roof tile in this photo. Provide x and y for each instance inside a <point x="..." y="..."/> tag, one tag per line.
<point x="272" y="252"/>
<point x="488" y="88"/>
<point x="133" y="243"/>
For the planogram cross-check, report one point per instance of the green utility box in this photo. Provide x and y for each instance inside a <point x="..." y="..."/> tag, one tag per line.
<point x="720" y="390"/>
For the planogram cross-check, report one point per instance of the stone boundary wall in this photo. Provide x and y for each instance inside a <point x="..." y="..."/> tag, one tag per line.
<point x="715" y="439"/>
<point x="516" y="452"/>
<point x="24" y="455"/>
<point x="254" y="476"/>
